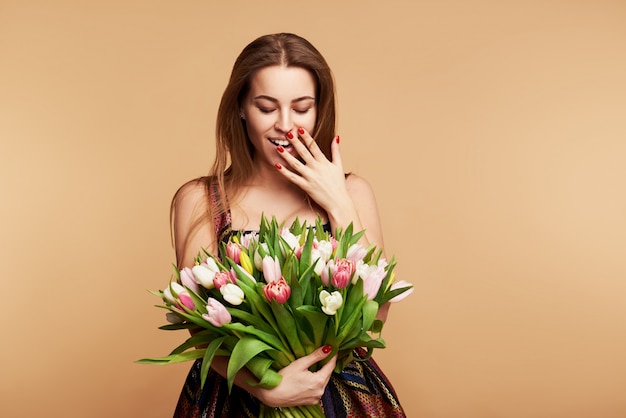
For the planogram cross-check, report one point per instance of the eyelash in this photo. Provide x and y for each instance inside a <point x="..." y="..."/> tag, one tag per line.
<point x="268" y="111"/>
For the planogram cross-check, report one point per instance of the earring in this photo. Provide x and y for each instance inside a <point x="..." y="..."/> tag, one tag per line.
<point x="241" y="116"/>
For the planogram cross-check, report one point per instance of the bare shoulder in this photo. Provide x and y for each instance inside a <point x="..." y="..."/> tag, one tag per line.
<point x="191" y="221"/>
<point x="359" y="188"/>
<point x="192" y="193"/>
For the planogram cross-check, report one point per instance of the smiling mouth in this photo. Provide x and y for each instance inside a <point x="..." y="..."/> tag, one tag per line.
<point x="280" y="142"/>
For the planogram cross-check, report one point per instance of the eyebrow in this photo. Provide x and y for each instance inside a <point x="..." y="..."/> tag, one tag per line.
<point x="274" y="100"/>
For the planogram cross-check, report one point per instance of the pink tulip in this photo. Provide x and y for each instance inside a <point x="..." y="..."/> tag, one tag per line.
<point x="186" y="300"/>
<point x="399" y="285"/>
<point x="233" y="251"/>
<point x="216" y="315"/>
<point x="343" y="273"/>
<point x="327" y="272"/>
<point x="188" y="280"/>
<point x="271" y="269"/>
<point x="278" y="290"/>
<point x="222" y="278"/>
<point x="356" y="252"/>
<point x="372" y="276"/>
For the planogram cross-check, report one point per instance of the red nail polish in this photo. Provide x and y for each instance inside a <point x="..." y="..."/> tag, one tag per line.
<point x="337" y="139"/>
<point x="289" y="135"/>
<point x="278" y="166"/>
<point x="280" y="149"/>
<point x="327" y="349"/>
<point x="301" y="131"/>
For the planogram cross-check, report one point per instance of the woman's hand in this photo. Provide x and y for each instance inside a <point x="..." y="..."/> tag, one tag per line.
<point x="299" y="386"/>
<point x="323" y="180"/>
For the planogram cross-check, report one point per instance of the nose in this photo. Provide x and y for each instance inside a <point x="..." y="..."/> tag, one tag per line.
<point x="284" y="122"/>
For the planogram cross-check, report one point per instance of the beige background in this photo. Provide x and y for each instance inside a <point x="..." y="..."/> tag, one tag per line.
<point x="493" y="132"/>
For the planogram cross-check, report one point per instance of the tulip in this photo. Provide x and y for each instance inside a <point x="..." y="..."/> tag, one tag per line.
<point x="400" y="285"/>
<point x="233" y="251"/>
<point x="372" y="276"/>
<point x="271" y="269"/>
<point x="205" y="273"/>
<point x="171" y="293"/>
<point x="216" y="315"/>
<point x="186" y="300"/>
<point x="327" y="272"/>
<point x="222" y="278"/>
<point x="261" y="251"/>
<point x="292" y="241"/>
<point x="320" y="263"/>
<point x="245" y="262"/>
<point x="249" y="238"/>
<point x="342" y="273"/>
<point x="277" y="290"/>
<point x="330" y="302"/>
<point x="356" y="252"/>
<point x="232" y="293"/>
<point x="324" y="248"/>
<point x="174" y="318"/>
<point x="188" y="280"/>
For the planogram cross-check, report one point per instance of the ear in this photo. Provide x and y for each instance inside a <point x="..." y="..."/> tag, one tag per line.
<point x="241" y="115"/>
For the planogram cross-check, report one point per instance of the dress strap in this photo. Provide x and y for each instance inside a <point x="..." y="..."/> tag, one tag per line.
<point x="222" y="221"/>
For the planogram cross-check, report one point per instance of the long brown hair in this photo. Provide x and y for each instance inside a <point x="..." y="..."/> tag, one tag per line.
<point x="234" y="152"/>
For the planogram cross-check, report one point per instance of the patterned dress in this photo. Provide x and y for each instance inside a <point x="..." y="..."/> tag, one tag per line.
<point x="361" y="390"/>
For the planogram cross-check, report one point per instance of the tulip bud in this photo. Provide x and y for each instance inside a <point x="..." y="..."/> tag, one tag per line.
<point x="245" y="262"/>
<point x="232" y="294"/>
<point x="174" y="318"/>
<point x="271" y="269"/>
<point x="342" y="273"/>
<point x="233" y="251"/>
<point x="188" y="280"/>
<point x="204" y="275"/>
<point x="331" y="302"/>
<point x="171" y="293"/>
<point x="278" y="290"/>
<point x="400" y="285"/>
<point x="216" y="315"/>
<point x="222" y="278"/>
<point x="261" y="251"/>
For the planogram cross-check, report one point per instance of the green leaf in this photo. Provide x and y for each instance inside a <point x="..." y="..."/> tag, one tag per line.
<point x="370" y="309"/>
<point x="245" y="349"/>
<point x="262" y="369"/>
<point x="174" y="358"/>
<point x="289" y="327"/>
<point x="266" y="337"/>
<point x="209" y="353"/>
<point x="248" y="318"/>
<point x="316" y="320"/>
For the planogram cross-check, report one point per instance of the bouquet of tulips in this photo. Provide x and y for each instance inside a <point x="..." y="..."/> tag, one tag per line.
<point x="276" y="295"/>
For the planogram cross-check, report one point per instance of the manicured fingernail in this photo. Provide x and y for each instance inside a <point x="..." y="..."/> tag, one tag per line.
<point x="289" y="135"/>
<point x="278" y="166"/>
<point x="280" y="149"/>
<point x="301" y="131"/>
<point x="327" y="349"/>
<point x="337" y="139"/>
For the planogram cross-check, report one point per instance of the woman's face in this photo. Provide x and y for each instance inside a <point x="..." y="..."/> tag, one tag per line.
<point x="280" y="100"/>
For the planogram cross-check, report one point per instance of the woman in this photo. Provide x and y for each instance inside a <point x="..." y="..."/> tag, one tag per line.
<point x="277" y="154"/>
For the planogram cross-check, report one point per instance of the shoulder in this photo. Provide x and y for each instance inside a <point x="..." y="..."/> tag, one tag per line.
<point x="191" y="220"/>
<point x="192" y="194"/>
<point x="358" y="187"/>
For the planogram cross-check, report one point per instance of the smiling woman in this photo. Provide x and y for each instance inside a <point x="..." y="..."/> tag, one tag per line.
<point x="276" y="128"/>
<point x="280" y="98"/>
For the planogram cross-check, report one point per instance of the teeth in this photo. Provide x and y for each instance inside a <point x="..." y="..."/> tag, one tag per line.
<point x="281" y="142"/>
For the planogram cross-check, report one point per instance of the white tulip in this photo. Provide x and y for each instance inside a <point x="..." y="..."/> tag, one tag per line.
<point x="232" y="293"/>
<point x="330" y="302"/>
